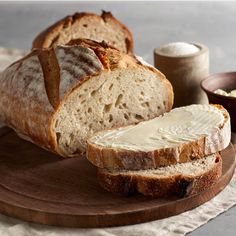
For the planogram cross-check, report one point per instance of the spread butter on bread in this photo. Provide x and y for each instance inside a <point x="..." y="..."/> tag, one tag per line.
<point x="182" y="135"/>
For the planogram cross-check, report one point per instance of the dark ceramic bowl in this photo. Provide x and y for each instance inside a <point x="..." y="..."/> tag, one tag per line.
<point x="227" y="82"/>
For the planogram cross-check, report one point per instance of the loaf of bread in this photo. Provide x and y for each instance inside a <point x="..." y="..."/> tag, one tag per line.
<point x="182" y="135"/>
<point x="58" y="97"/>
<point x="87" y="25"/>
<point x="182" y="179"/>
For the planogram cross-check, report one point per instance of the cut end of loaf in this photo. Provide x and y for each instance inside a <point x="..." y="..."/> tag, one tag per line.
<point x="70" y="92"/>
<point x="113" y="99"/>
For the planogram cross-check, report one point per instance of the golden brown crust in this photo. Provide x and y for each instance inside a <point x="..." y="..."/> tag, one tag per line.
<point x="108" y="55"/>
<point x="51" y="73"/>
<point x="49" y="36"/>
<point x="111" y="158"/>
<point x="179" y="185"/>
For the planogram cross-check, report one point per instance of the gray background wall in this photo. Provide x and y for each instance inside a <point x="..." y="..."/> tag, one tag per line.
<point x="153" y="24"/>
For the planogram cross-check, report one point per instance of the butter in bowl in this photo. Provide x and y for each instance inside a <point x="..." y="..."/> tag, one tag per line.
<point x="227" y="94"/>
<point x="221" y="89"/>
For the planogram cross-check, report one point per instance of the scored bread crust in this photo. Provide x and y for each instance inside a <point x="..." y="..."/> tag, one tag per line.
<point x="48" y="37"/>
<point x="31" y="95"/>
<point x="176" y="185"/>
<point x="115" y="158"/>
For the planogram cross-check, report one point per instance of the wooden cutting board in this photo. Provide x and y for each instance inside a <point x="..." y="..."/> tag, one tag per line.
<point x="38" y="186"/>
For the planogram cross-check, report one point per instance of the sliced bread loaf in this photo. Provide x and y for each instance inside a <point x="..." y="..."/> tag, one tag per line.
<point x="87" y="25"/>
<point x="60" y="96"/>
<point x="181" y="135"/>
<point x="182" y="179"/>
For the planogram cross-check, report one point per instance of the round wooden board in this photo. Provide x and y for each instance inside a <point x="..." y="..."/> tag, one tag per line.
<point x="40" y="187"/>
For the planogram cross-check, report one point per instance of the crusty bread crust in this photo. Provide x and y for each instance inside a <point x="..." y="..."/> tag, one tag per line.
<point x="48" y="37"/>
<point x="179" y="185"/>
<point x="111" y="158"/>
<point x="31" y="88"/>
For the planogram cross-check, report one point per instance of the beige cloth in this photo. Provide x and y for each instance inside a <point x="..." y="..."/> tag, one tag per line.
<point x="172" y="226"/>
<point x="7" y="56"/>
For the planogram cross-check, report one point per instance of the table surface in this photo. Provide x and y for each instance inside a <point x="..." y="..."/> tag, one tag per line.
<point x="153" y="24"/>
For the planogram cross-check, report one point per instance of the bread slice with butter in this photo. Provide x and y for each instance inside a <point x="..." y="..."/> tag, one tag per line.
<point x="182" y="179"/>
<point x="182" y="135"/>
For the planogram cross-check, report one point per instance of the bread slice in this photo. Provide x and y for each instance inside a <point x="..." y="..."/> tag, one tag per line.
<point x="58" y="97"/>
<point x="182" y="135"/>
<point x="87" y="25"/>
<point x="182" y="179"/>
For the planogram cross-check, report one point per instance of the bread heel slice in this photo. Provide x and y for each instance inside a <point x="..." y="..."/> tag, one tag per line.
<point x="182" y="179"/>
<point x="182" y="135"/>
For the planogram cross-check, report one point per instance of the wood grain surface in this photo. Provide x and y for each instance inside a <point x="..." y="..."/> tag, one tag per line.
<point x="40" y="187"/>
